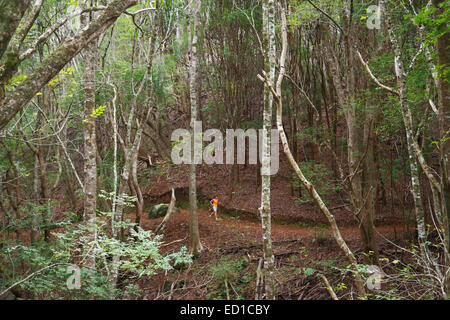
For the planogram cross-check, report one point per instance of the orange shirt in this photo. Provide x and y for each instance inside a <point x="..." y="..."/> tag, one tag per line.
<point x="215" y="202"/>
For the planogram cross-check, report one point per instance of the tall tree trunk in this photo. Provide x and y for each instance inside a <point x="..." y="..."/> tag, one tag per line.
<point x="14" y="197"/>
<point x="35" y="221"/>
<point x="344" y="77"/>
<point x="367" y="228"/>
<point x="42" y="165"/>
<point x="90" y="146"/>
<point x="401" y="79"/>
<point x="408" y="122"/>
<point x="311" y="189"/>
<point x="269" y="68"/>
<point x="44" y="189"/>
<point x="194" y="235"/>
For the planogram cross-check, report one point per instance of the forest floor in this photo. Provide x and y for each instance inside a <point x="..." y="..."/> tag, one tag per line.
<point x="301" y="236"/>
<point x="287" y="203"/>
<point x="232" y="250"/>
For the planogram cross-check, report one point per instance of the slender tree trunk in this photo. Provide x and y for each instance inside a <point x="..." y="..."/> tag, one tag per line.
<point x="344" y="75"/>
<point x="308" y="186"/>
<point x="194" y="235"/>
<point x="401" y="78"/>
<point x="408" y="122"/>
<point x="14" y="197"/>
<point x="367" y="228"/>
<point x="34" y="221"/>
<point x="269" y="68"/>
<point x="90" y="146"/>
<point x="44" y="188"/>
<point x="137" y="189"/>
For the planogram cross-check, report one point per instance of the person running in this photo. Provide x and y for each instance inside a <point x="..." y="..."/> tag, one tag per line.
<point x="214" y="202"/>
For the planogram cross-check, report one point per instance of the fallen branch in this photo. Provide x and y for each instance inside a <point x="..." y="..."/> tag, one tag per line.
<point x="259" y="280"/>
<point x="173" y="242"/>
<point x="170" y="210"/>
<point x="329" y="288"/>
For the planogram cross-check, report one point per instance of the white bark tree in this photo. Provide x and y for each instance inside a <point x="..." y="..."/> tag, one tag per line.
<point x="268" y="41"/>
<point x="416" y="157"/>
<point x="276" y="93"/>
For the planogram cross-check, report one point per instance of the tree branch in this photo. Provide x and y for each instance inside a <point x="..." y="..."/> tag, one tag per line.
<point x="16" y="100"/>
<point x="50" y="30"/>
<point x="11" y="12"/>
<point x="32" y="275"/>
<point x="366" y="66"/>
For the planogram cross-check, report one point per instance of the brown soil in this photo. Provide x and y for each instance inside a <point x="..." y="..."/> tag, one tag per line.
<point x="241" y="237"/>
<point x="246" y="196"/>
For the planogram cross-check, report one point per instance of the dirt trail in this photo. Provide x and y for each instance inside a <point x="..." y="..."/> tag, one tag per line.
<point x="231" y="231"/>
<point x="214" y="181"/>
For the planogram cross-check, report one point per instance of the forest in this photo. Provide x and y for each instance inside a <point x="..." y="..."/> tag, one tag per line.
<point x="224" y="150"/>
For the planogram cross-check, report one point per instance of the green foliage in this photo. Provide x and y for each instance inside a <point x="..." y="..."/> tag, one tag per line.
<point x="138" y="256"/>
<point x="229" y="278"/>
<point x="341" y="286"/>
<point x="50" y="284"/>
<point x="15" y="81"/>
<point x="391" y="122"/>
<point x="303" y="12"/>
<point x="319" y="175"/>
<point x="311" y="134"/>
<point x="97" y="112"/>
<point x="436" y="24"/>
<point x="38" y="217"/>
<point x="306" y="271"/>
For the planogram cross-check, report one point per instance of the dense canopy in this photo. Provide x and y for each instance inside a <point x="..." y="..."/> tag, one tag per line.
<point x="224" y="149"/>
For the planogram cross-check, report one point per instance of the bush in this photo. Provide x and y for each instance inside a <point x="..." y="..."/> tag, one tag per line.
<point x="137" y="257"/>
<point x="229" y="279"/>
